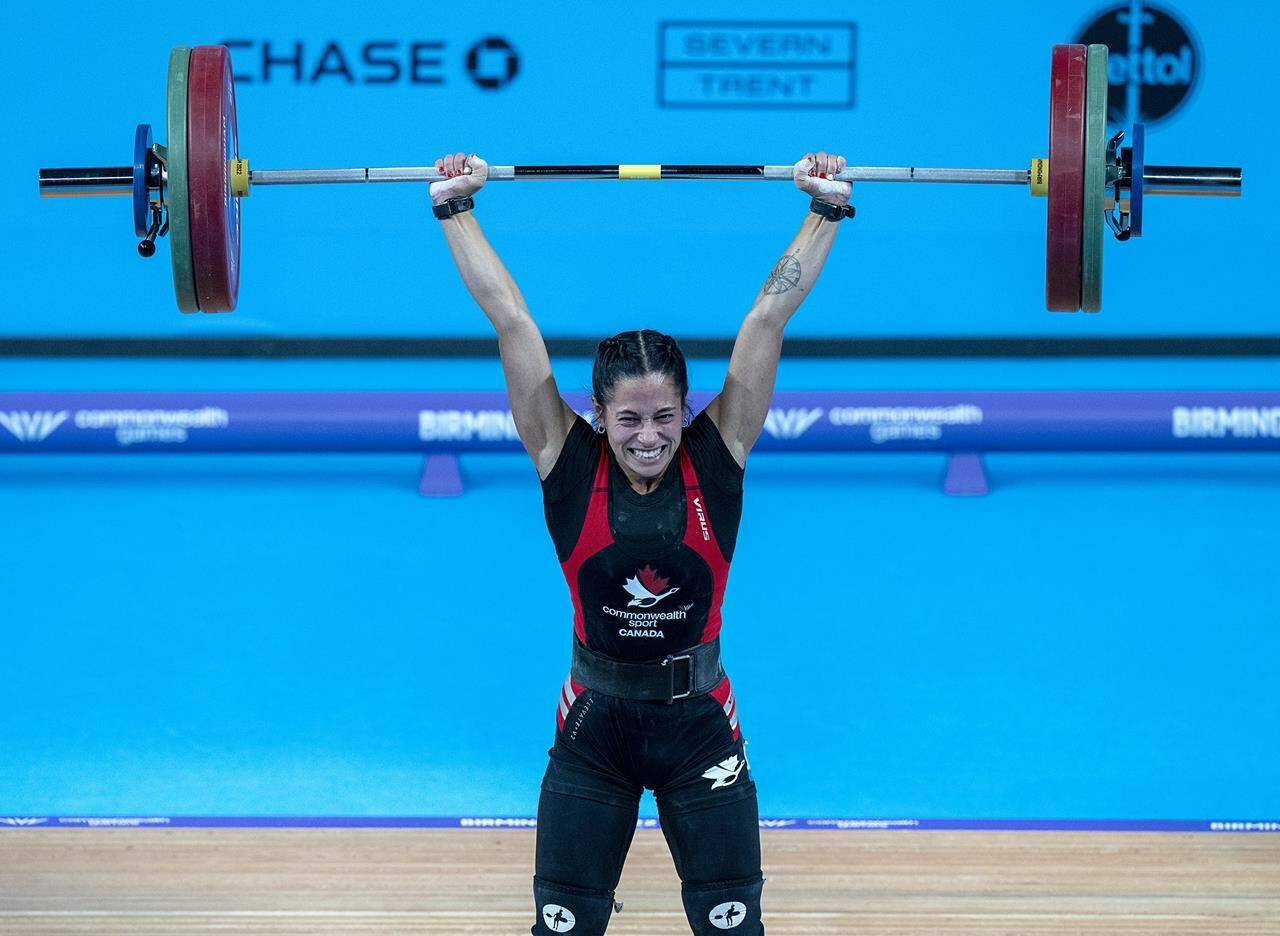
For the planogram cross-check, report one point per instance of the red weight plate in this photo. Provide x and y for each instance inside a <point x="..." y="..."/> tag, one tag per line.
<point x="1065" y="231"/>
<point x="211" y="143"/>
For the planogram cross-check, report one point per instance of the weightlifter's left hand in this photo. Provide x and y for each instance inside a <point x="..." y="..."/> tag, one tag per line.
<point x="464" y="175"/>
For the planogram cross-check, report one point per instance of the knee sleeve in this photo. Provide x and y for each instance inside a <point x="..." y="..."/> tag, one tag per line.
<point x="565" y="909"/>
<point x="727" y="905"/>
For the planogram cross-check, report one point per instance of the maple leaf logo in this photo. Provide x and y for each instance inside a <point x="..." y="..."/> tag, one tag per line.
<point x="647" y="588"/>
<point x="653" y="581"/>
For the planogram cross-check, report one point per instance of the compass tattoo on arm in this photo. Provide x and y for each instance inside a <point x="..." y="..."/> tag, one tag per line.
<point x="785" y="276"/>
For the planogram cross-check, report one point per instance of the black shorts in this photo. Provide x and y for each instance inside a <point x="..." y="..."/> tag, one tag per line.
<point x="608" y="752"/>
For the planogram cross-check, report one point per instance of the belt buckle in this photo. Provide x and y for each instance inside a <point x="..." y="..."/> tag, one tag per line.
<point x="671" y="681"/>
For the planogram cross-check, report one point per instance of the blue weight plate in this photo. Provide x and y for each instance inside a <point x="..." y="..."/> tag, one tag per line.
<point x="141" y="197"/>
<point x="1139" y="163"/>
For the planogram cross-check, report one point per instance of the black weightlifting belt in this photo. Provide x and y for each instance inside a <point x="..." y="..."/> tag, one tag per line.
<point x="691" y="672"/>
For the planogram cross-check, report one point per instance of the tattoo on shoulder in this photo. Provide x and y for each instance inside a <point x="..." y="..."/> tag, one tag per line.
<point x="785" y="276"/>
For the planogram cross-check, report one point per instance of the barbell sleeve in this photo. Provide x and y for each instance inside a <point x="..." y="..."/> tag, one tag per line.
<point x="1192" y="180"/>
<point x="108" y="180"/>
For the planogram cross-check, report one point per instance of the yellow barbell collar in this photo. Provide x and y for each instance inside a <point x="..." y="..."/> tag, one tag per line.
<point x="1039" y="176"/>
<point x="240" y="178"/>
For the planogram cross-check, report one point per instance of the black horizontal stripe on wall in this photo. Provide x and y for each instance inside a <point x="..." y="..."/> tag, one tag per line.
<point x="699" y="347"/>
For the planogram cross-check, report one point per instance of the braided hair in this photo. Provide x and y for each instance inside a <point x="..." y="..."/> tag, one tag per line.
<point x="638" y="354"/>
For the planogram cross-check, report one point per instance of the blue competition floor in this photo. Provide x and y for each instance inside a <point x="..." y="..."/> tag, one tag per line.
<point x="297" y="635"/>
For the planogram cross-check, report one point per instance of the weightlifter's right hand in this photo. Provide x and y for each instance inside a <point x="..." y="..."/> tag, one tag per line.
<point x="466" y="175"/>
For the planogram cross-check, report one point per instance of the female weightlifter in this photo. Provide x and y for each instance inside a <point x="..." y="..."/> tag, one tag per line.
<point x="643" y="508"/>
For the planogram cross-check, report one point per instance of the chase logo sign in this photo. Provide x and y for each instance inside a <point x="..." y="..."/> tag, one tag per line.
<point x="749" y="64"/>
<point x="1153" y="65"/>
<point x="491" y="62"/>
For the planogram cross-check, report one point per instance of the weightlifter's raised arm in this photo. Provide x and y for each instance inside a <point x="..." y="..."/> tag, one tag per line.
<point x="740" y="409"/>
<point x="541" y="416"/>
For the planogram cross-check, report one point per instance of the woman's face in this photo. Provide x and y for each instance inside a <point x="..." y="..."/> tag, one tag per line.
<point x="643" y="421"/>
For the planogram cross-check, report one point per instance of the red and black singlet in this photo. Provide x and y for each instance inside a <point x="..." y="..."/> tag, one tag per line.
<point x="646" y="573"/>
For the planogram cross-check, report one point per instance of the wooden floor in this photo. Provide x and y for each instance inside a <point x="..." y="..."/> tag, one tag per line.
<point x="357" y="882"/>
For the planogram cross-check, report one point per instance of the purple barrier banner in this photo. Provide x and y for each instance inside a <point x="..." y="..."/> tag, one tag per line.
<point x="808" y="421"/>
<point x="528" y="822"/>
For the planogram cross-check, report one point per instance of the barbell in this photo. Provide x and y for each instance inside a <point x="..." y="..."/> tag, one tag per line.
<point x="192" y="187"/>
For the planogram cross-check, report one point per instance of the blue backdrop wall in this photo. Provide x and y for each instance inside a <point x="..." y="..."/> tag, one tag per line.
<point x="389" y="84"/>
<point x="259" y="635"/>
